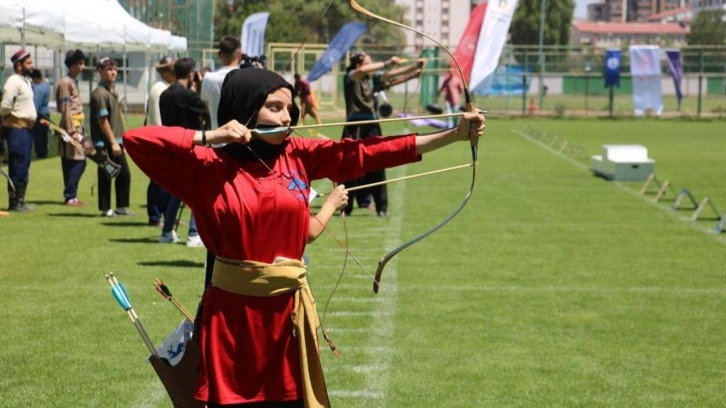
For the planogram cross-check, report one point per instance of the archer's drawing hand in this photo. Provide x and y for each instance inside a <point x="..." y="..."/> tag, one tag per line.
<point x="471" y="127"/>
<point x="393" y="61"/>
<point x="338" y="198"/>
<point x="230" y="132"/>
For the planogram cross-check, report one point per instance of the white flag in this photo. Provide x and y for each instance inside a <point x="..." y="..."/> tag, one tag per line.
<point x="175" y="343"/>
<point x="646" y="73"/>
<point x="253" y="34"/>
<point x="492" y="37"/>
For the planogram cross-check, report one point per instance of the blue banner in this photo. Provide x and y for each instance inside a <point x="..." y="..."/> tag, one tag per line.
<point x="676" y="69"/>
<point x="613" y="61"/>
<point x="343" y="40"/>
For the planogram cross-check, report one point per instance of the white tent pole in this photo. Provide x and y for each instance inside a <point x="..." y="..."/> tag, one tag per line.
<point x="22" y="31"/>
<point x="126" y="74"/>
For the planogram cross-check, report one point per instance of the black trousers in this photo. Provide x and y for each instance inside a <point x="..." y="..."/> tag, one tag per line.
<point x="40" y="139"/>
<point x="122" y="183"/>
<point x="379" y="193"/>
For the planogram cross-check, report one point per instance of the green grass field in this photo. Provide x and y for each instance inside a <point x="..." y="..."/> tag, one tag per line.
<point x="553" y="288"/>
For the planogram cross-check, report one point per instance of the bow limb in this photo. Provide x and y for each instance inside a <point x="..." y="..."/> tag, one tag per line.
<point x="10" y="182"/>
<point x="474" y="148"/>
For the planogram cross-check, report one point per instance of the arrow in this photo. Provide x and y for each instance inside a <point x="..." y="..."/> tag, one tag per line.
<point x="122" y="297"/>
<point x="164" y="291"/>
<point x="280" y="129"/>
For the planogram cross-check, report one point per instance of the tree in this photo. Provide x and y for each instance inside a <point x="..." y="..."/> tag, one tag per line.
<point x="558" y="21"/>
<point x="707" y="28"/>
<point x="291" y="20"/>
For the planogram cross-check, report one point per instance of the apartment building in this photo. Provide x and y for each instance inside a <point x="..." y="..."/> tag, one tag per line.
<point x="443" y="20"/>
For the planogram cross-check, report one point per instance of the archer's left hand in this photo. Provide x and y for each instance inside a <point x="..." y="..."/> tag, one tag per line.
<point x="471" y="127"/>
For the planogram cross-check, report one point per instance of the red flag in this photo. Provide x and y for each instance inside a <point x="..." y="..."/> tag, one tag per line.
<point x="466" y="49"/>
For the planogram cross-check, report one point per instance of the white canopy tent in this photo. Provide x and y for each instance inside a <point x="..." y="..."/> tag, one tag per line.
<point x="91" y="24"/>
<point x="95" y="26"/>
<point x="32" y="21"/>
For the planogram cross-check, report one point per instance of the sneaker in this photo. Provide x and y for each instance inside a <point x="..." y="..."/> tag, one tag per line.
<point x="21" y="207"/>
<point x="122" y="211"/>
<point x="153" y="223"/>
<point x="382" y="214"/>
<point x="168" y="237"/>
<point x="194" y="241"/>
<point x="107" y="213"/>
<point x="74" y="202"/>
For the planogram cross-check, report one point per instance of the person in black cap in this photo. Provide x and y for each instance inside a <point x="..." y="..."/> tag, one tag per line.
<point x="70" y="107"/>
<point x="19" y="115"/>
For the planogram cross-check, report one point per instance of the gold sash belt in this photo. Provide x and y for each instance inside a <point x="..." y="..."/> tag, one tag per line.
<point x="14" y="122"/>
<point x="77" y="120"/>
<point x="261" y="279"/>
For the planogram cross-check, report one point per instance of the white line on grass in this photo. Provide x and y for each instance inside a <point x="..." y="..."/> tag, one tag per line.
<point x="585" y="289"/>
<point x="708" y="231"/>
<point x="383" y="326"/>
<point x="374" y="313"/>
<point x="384" y="309"/>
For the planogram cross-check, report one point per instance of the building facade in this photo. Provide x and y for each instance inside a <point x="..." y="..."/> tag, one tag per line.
<point x="444" y="20"/>
<point x="622" y="11"/>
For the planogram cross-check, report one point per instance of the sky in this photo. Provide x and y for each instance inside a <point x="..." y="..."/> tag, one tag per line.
<point x="581" y="8"/>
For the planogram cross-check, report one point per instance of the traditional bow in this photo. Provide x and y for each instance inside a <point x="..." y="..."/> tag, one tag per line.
<point x="10" y="181"/>
<point x="474" y="151"/>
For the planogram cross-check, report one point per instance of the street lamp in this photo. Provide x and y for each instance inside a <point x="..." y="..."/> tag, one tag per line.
<point x="587" y="86"/>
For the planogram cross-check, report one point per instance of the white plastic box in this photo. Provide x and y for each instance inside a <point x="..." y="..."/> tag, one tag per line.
<point x="623" y="163"/>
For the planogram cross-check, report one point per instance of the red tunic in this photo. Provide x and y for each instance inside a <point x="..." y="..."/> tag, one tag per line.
<point x="245" y="212"/>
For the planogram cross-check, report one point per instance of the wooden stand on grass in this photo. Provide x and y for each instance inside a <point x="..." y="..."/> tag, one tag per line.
<point x="706" y="202"/>
<point x="646" y="184"/>
<point x="663" y="188"/>
<point x="685" y="193"/>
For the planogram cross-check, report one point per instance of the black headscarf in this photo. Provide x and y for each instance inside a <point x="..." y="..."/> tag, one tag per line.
<point x="244" y="92"/>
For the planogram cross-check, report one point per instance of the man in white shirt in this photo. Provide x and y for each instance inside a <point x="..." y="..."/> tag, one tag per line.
<point x="230" y="52"/>
<point x="165" y="68"/>
<point x="18" y="118"/>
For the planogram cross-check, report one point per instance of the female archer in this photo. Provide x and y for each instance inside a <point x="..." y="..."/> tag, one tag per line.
<point x="258" y="327"/>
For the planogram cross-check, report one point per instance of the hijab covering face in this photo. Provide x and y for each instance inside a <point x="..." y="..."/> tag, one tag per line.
<point x="244" y="92"/>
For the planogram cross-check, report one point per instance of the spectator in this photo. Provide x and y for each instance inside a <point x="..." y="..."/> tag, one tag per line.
<point x="165" y="68"/>
<point x="41" y="98"/>
<point x="308" y="102"/>
<point x="230" y="52"/>
<point x="70" y="107"/>
<point x="107" y="129"/>
<point x="452" y="88"/>
<point x="18" y="119"/>
<point x="180" y="106"/>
